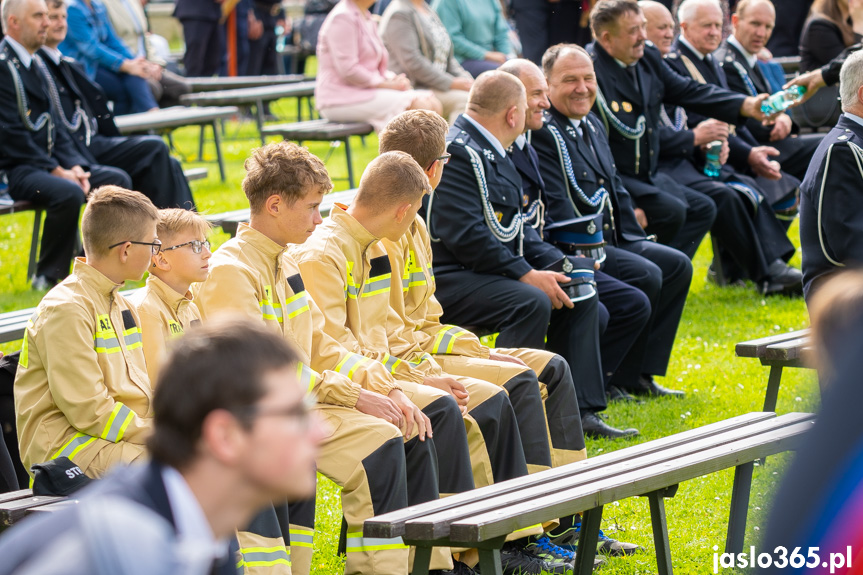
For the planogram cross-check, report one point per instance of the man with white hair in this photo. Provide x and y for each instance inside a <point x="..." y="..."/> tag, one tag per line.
<point x="831" y="221"/>
<point x="753" y="22"/>
<point x="754" y="242"/>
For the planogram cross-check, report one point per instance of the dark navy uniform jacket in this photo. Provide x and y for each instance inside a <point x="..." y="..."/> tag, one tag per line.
<point x="461" y="238"/>
<point x="590" y="174"/>
<point x="657" y="84"/>
<point x="18" y="145"/>
<point x="831" y="205"/>
<point x="207" y="10"/>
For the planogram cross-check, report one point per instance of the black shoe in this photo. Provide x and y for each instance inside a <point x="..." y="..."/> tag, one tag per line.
<point x="713" y="277"/>
<point x="614" y="393"/>
<point x="653" y="389"/>
<point x="458" y="568"/>
<point x="515" y="561"/>
<point x="782" y="279"/>
<point x="593" y="426"/>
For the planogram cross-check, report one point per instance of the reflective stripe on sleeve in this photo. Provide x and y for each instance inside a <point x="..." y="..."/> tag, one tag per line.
<point x="445" y="339"/>
<point x="307" y="376"/>
<point x="350" y="363"/>
<point x="352" y="289"/>
<point x="105" y="340"/>
<point x="264" y="556"/>
<point x="121" y="417"/>
<point x="356" y="543"/>
<point x="391" y="363"/>
<point x="377" y="285"/>
<point x="132" y="337"/>
<point x="297" y="304"/>
<point x="269" y="310"/>
<point x="302" y="538"/>
<point x="78" y="442"/>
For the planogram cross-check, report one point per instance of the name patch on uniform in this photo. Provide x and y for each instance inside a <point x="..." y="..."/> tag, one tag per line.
<point x="296" y="283"/>
<point x="380" y="266"/>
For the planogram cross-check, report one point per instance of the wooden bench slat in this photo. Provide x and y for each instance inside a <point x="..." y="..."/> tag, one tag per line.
<point x="12" y="511"/>
<point x="437" y="525"/>
<point x="757" y="347"/>
<point x="240" y="96"/>
<point x="213" y="83"/>
<point x="315" y="130"/>
<point x="393" y="524"/>
<point x="787" y="350"/>
<point x="15" y="495"/>
<point x="174" y="117"/>
<point x="504" y="521"/>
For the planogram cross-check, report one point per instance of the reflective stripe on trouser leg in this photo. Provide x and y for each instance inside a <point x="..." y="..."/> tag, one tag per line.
<point x="489" y="407"/>
<point x="262" y="548"/>
<point x="300" y="528"/>
<point x="450" y="437"/>
<point x="365" y="456"/>
<point x="524" y="394"/>
<point x="561" y="404"/>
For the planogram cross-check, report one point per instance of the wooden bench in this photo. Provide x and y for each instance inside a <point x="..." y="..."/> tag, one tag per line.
<point x="168" y="119"/>
<point x="483" y="518"/>
<point x="777" y="352"/>
<point x="214" y="83"/>
<point x="322" y="131"/>
<point x="17" y="504"/>
<point x="256" y="97"/>
<point x="228" y="221"/>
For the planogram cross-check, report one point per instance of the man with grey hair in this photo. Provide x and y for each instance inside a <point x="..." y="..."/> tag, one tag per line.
<point x="831" y="218"/>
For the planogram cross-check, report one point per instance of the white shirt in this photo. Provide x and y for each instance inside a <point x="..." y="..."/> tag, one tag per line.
<point x="23" y="55"/>
<point x="521" y="141"/>
<point x="686" y="43"/>
<point x="53" y="53"/>
<point x="195" y="536"/>
<point x="488" y="135"/>
<point x="576" y="124"/>
<point x="751" y="59"/>
<point x="854" y="117"/>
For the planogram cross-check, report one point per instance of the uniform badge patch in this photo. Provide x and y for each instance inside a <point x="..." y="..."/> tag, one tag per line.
<point x="627" y="107"/>
<point x="488" y="154"/>
<point x="615" y="107"/>
<point x="591" y="227"/>
<point x="499" y="216"/>
<point x="567" y="266"/>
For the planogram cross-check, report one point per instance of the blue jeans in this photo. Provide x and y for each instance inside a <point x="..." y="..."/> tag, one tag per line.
<point x="130" y="94"/>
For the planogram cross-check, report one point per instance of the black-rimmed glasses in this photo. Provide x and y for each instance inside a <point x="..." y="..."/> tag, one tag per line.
<point x="197" y="245"/>
<point x="155" y="245"/>
<point x="442" y="159"/>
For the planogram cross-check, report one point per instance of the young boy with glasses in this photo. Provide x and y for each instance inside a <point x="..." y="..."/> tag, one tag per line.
<point x="81" y="389"/>
<point x="165" y="304"/>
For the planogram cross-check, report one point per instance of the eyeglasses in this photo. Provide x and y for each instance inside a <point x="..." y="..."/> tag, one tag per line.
<point x="155" y="245"/>
<point x="197" y="245"/>
<point x="444" y="160"/>
<point x="300" y="411"/>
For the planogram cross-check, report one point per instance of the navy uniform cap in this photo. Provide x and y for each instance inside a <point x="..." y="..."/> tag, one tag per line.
<point x="579" y="236"/>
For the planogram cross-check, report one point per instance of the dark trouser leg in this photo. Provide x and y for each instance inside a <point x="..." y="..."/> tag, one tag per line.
<point x="524" y="395"/>
<point x="561" y="407"/>
<point x="154" y="172"/>
<point x="667" y="306"/>
<point x="497" y="422"/>
<point x="796" y="153"/>
<point x="204" y="47"/>
<point x="629" y="314"/>
<point x="115" y="90"/>
<point x="532" y="21"/>
<point x="477" y="67"/>
<point x="454" y="461"/>
<point x="700" y="215"/>
<point x="518" y="312"/>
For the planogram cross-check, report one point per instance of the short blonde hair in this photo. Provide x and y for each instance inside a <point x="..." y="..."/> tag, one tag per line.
<point x="114" y="215"/>
<point x="175" y="221"/>
<point x="390" y="179"/>
<point x="284" y="169"/>
<point x="494" y="92"/>
<point x="420" y="133"/>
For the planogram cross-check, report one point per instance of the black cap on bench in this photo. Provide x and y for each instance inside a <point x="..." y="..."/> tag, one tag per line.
<point x="579" y="236"/>
<point x="58" y="477"/>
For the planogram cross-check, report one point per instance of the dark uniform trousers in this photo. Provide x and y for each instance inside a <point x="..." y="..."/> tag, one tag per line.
<point x="630" y="100"/>
<point x="25" y="156"/>
<point x="624" y="310"/>
<point x="831" y="219"/>
<point x="662" y="274"/>
<point x="145" y="159"/>
<point x="794" y="153"/>
<point x="477" y="272"/>
<point x="205" y="44"/>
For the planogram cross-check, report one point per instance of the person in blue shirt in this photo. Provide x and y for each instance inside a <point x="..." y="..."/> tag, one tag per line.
<point x="92" y="41"/>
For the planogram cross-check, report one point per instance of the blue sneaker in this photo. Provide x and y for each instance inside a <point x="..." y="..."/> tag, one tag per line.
<point x="568" y="540"/>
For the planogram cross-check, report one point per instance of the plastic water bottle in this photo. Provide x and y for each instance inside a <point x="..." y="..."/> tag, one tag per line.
<point x="781" y="101"/>
<point x="712" y="165"/>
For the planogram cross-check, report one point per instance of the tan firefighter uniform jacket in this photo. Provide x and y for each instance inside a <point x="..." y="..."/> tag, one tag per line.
<point x="347" y="270"/>
<point x="412" y="298"/>
<point x="252" y="274"/>
<point x="81" y="389"/>
<point x="165" y="315"/>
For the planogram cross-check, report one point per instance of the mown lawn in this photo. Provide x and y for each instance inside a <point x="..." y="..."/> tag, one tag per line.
<point x="718" y="384"/>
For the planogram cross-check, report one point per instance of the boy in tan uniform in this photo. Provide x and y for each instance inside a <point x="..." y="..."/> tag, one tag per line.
<point x="81" y="390"/>
<point x="378" y="436"/>
<point x="165" y="305"/>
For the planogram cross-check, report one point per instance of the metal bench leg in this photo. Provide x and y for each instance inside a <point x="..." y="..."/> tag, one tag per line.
<point x="660" y="532"/>
<point x="739" y="507"/>
<point x="201" y="143"/>
<point x="217" y="139"/>
<point x="259" y="118"/>
<point x="34" y="243"/>
<point x="350" y="163"/>
<point x="587" y="540"/>
<point x="422" y="559"/>
<point x="772" y="392"/>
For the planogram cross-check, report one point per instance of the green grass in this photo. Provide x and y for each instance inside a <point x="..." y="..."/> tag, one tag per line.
<point x="718" y="384"/>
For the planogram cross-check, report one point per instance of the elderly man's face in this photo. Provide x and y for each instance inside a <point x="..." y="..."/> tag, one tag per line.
<point x="572" y="84"/>
<point x="58" y="27"/>
<point x="625" y="41"/>
<point x="30" y="25"/>
<point x="754" y="27"/>
<point x="537" y="97"/>
<point x="704" y="30"/>
<point x="660" y="27"/>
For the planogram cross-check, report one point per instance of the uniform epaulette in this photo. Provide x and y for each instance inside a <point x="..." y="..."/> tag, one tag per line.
<point x="844" y="136"/>
<point x="2" y="55"/>
<point x="462" y="138"/>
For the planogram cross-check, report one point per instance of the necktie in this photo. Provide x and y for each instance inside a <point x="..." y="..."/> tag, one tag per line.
<point x="632" y="74"/>
<point x="585" y="138"/>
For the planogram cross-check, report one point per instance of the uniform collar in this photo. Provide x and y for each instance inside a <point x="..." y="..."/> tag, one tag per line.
<point x="689" y="45"/>
<point x="521" y="141"/>
<point x="53" y="53"/>
<point x="357" y="231"/>
<point x="854" y="118"/>
<point x="259" y="241"/>
<point x="167" y="294"/>
<point x="496" y="144"/>
<point x="751" y="59"/>
<point x="576" y="124"/>
<point x="23" y="55"/>
<point x="93" y="277"/>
